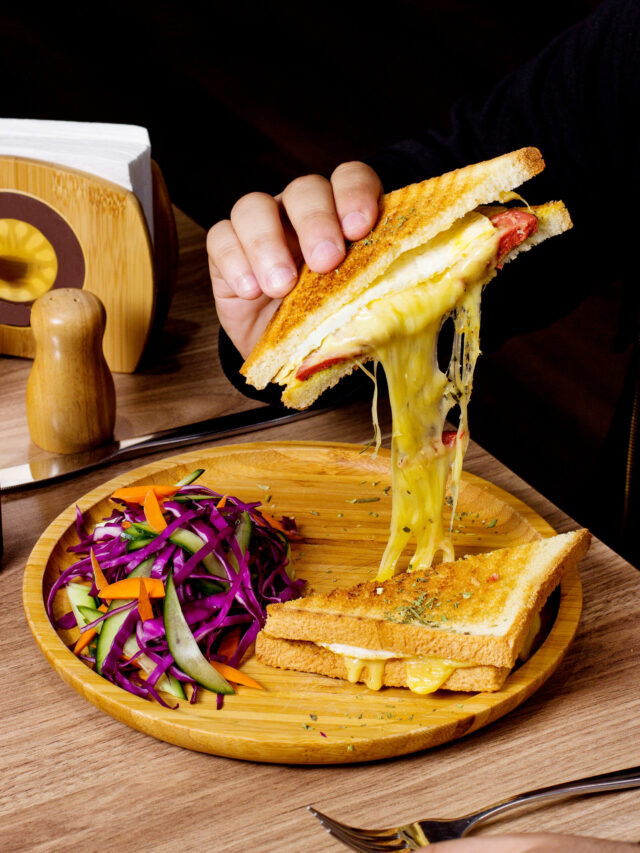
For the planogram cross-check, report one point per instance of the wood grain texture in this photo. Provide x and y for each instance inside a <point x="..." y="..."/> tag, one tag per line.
<point x="110" y="226"/>
<point x="56" y="749"/>
<point x="342" y="545"/>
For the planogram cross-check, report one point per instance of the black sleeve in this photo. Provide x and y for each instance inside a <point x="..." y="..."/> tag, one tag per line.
<point x="578" y="102"/>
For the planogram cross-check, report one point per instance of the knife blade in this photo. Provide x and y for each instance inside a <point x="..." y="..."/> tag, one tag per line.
<point x="42" y="472"/>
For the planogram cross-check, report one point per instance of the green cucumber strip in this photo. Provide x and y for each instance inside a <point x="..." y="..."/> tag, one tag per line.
<point x="79" y="597"/>
<point x="190" y="478"/>
<point x="184" y="648"/>
<point x="138" y="545"/>
<point x="243" y="537"/>
<point x="112" y="624"/>
<point x="188" y="540"/>
<point x="194" y="497"/>
<point x="166" y="683"/>
<point x="90" y="614"/>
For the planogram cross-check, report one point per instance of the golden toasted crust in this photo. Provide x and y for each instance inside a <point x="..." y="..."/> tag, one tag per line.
<point x="307" y="657"/>
<point x="553" y="219"/>
<point x="476" y="609"/>
<point x="409" y="218"/>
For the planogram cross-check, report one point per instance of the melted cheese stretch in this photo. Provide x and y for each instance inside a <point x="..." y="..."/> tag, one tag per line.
<point x="399" y="328"/>
<point x="422" y="396"/>
<point x="424" y="675"/>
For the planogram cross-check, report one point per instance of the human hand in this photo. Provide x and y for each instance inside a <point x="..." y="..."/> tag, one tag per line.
<point x="535" y="842"/>
<point x="253" y="256"/>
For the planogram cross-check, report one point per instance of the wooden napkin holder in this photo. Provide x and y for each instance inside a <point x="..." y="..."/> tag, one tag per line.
<point x="65" y="228"/>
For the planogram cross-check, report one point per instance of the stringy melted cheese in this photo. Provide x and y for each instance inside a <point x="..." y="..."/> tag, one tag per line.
<point x="424" y="675"/>
<point x="400" y="330"/>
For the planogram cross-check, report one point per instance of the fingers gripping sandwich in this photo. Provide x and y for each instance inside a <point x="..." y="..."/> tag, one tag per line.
<point x="456" y="626"/>
<point x="434" y="248"/>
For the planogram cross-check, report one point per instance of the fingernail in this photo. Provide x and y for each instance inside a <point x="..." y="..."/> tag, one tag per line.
<point x="280" y="279"/>
<point x="325" y="253"/>
<point x="354" y="223"/>
<point x="248" y="286"/>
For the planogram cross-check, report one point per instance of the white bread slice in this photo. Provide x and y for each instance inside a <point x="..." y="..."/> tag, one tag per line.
<point x="410" y="218"/>
<point x="477" y="609"/>
<point x="308" y="657"/>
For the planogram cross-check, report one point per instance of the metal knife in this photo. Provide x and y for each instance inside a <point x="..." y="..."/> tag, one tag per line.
<point x="42" y="472"/>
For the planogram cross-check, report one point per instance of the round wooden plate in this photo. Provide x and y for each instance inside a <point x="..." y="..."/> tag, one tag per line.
<point x="302" y="718"/>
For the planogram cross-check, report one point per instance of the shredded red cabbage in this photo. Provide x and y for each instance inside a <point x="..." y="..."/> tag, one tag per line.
<point x="234" y="597"/>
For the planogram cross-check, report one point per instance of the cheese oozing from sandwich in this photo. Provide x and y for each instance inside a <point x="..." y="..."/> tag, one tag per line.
<point x="424" y="674"/>
<point x="399" y="327"/>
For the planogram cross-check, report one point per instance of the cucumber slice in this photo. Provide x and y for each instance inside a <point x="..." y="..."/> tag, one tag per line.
<point x="166" y="683"/>
<point x="243" y="537"/>
<point x="112" y="624"/>
<point x="204" y="496"/>
<point x="79" y="597"/>
<point x="90" y="614"/>
<point x="184" y="648"/>
<point x="138" y="544"/>
<point x="190" y="478"/>
<point x="188" y="540"/>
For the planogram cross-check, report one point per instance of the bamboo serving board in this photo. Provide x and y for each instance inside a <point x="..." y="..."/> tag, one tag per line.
<point x="303" y="718"/>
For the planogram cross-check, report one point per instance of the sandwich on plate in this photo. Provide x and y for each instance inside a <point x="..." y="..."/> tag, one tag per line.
<point x="456" y="626"/>
<point x="435" y="247"/>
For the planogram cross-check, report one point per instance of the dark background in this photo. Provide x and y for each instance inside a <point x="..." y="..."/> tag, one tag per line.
<point x="246" y="96"/>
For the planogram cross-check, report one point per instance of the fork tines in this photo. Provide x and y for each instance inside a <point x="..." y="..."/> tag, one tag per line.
<point x="364" y="840"/>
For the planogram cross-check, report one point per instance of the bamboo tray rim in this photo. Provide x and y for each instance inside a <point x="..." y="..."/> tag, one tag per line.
<point x="264" y="732"/>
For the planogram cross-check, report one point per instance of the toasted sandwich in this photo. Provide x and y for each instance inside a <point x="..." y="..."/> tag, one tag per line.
<point x="435" y="246"/>
<point x="455" y="626"/>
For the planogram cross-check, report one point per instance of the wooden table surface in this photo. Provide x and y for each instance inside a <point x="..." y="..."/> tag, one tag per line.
<point x="73" y="777"/>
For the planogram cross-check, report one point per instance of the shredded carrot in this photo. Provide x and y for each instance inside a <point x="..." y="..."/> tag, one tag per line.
<point x="86" y="636"/>
<point x="235" y="675"/>
<point x="222" y="502"/>
<point x="137" y="494"/>
<point x="229" y="643"/>
<point x="98" y="574"/>
<point x="130" y="588"/>
<point x="153" y="512"/>
<point x="126" y="525"/>
<point x="144" y="604"/>
<point x="269" y="519"/>
<point x="83" y="640"/>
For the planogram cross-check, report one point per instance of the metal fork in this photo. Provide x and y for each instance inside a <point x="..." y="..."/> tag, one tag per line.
<point x="412" y="836"/>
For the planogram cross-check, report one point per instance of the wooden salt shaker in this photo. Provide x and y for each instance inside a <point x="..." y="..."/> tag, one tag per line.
<point x="71" y="403"/>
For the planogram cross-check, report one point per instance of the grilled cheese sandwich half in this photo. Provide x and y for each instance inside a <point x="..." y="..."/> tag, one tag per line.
<point x="458" y="626"/>
<point x="434" y="249"/>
